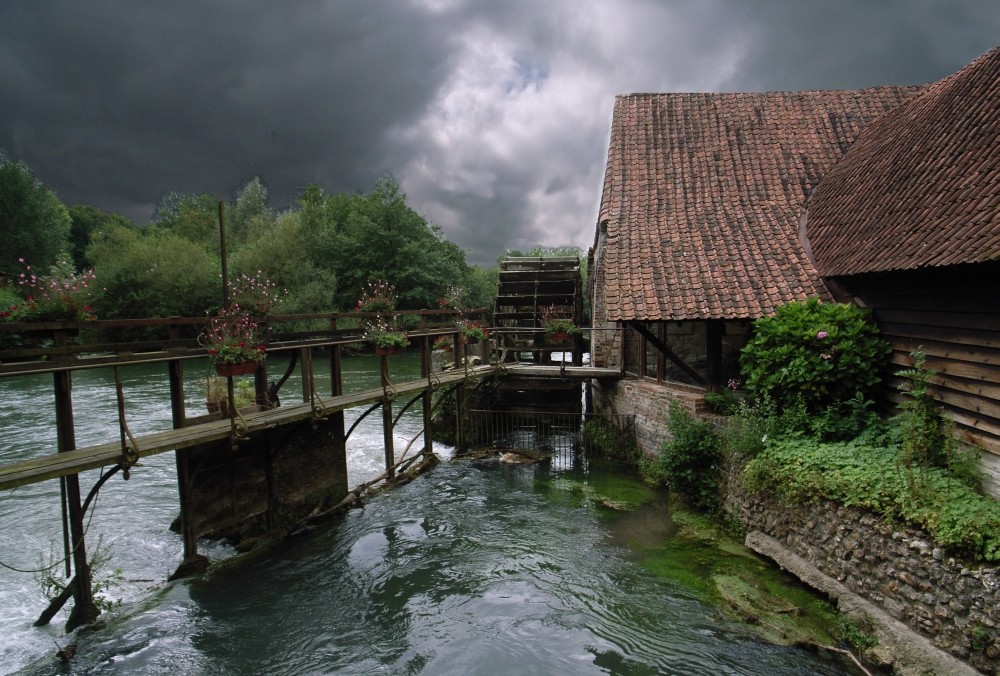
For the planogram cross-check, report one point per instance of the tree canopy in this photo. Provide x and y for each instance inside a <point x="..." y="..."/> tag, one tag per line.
<point x="34" y="224"/>
<point x="320" y="252"/>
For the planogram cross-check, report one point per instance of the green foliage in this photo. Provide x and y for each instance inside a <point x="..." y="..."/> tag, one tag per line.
<point x="63" y="293"/>
<point x="86" y="221"/>
<point x="153" y="274"/>
<point x="389" y="340"/>
<point x="723" y="402"/>
<point x="926" y="438"/>
<point x="281" y="254"/>
<point x="843" y="420"/>
<point x="604" y="437"/>
<point x="820" y="354"/>
<point x="378" y="236"/>
<point x="217" y="393"/>
<point x="9" y="300"/>
<point x="474" y="332"/>
<point x="193" y="217"/>
<point x="858" y="632"/>
<point x="688" y="463"/>
<point x="233" y="337"/>
<point x="102" y="581"/>
<point x="746" y="431"/>
<point x="801" y="470"/>
<point x="481" y="286"/>
<point x="34" y="224"/>
<point x="249" y="215"/>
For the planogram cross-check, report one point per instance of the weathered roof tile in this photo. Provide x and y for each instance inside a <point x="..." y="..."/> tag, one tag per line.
<point x="703" y="194"/>
<point x="920" y="186"/>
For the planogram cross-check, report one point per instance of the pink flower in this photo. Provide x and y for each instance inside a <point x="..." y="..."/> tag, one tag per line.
<point x="826" y="356"/>
<point x="822" y="334"/>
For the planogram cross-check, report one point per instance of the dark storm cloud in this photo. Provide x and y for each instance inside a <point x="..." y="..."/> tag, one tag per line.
<point x="116" y="103"/>
<point x="494" y="116"/>
<point x="860" y="43"/>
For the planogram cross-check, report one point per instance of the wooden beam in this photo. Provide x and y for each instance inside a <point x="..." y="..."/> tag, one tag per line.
<point x="667" y="352"/>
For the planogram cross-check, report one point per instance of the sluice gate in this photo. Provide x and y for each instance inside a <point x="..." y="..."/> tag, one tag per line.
<point x="561" y="436"/>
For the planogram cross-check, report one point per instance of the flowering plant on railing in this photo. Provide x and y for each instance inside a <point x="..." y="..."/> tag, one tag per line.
<point x="384" y="336"/>
<point x="378" y="296"/>
<point x="473" y="332"/>
<point x="383" y="330"/>
<point x="233" y="337"/>
<point x="555" y="320"/>
<point x="62" y="294"/>
<point x="255" y="294"/>
<point x="443" y="343"/>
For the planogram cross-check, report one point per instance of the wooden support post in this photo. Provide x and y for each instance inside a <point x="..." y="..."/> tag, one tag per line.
<point x="623" y="346"/>
<point x="427" y="401"/>
<point x="305" y="359"/>
<point x="336" y="389"/>
<point x="390" y="454"/>
<point x="84" y="610"/>
<point x="461" y="443"/>
<point x="713" y="352"/>
<point x="192" y="561"/>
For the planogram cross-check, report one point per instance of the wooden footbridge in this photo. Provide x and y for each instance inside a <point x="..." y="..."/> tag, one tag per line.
<point x="290" y="459"/>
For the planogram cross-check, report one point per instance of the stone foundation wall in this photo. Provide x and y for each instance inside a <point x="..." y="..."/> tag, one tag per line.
<point x="954" y="603"/>
<point x="650" y="402"/>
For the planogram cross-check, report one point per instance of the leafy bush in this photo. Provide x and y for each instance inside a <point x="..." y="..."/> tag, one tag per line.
<point x="843" y="420"/>
<point x="608" y="439"/>
<point x="820" y="354"/>
<point x="926" y="438"/>
<point x="870" y="477"/>
<point x="723" y="402"/>
<point x="64" y="293"/>
<point x="688" y="462"/>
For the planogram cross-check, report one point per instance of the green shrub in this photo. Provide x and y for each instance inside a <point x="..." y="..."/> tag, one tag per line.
<point x="819" y="354"/>
<point x="801" y="470"/>
<point x="688" y="463"/>
<point x="926" y="438"/>
<point x="723" y="402"/>
<point x="605" y="438"/>
<point x="843" y="420"/>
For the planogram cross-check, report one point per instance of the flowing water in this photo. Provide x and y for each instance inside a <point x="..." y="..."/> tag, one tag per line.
<point x="474" y="568"/>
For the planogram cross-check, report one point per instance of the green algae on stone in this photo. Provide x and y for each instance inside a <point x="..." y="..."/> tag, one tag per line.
<point x="721" y="571"/>
<point x="614" y="492"/>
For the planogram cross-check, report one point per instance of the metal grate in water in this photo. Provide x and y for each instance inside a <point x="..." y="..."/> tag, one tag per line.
<point x="559" y="434"/>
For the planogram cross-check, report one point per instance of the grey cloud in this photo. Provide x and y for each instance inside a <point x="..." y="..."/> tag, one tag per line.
<point x="115" y="103"/>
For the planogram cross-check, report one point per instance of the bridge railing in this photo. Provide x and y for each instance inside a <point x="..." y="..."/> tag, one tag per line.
<point x="66" y="345"/>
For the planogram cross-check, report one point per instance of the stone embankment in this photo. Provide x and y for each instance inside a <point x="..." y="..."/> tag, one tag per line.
<point x="887" y="571"/>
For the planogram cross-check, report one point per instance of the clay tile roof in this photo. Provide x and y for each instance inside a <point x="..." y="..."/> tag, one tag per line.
<point x="921" y="186"/>
<point x="703" y="194"/>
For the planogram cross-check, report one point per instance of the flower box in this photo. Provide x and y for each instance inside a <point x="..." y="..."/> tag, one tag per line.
<point x="385" y="351"/>
<point x="228" y="369"/>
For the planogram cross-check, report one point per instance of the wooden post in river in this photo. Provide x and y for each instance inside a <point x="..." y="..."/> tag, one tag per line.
<point x="84" y="610"/>
<point x="390" y="453"/>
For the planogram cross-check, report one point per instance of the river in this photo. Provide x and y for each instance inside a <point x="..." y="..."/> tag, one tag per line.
<point x="476" y="567"/>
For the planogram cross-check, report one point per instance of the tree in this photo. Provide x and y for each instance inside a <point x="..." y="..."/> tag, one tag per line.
<point x="85" y="222"/>
<point x="34" y="224"/>
<point x="383" y="238"/>
<point x="194" y="217"/>
<point x="481" y="286"/>
<point x="278" y="254"/>
<point x="156" y="273"/>
<point x="249" y="215"/>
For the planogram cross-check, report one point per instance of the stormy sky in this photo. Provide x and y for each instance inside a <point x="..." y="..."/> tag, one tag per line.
<point x="494" y="116"/>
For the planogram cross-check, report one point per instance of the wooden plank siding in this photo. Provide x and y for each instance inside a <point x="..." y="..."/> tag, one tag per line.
<point x="953" y="314"/>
